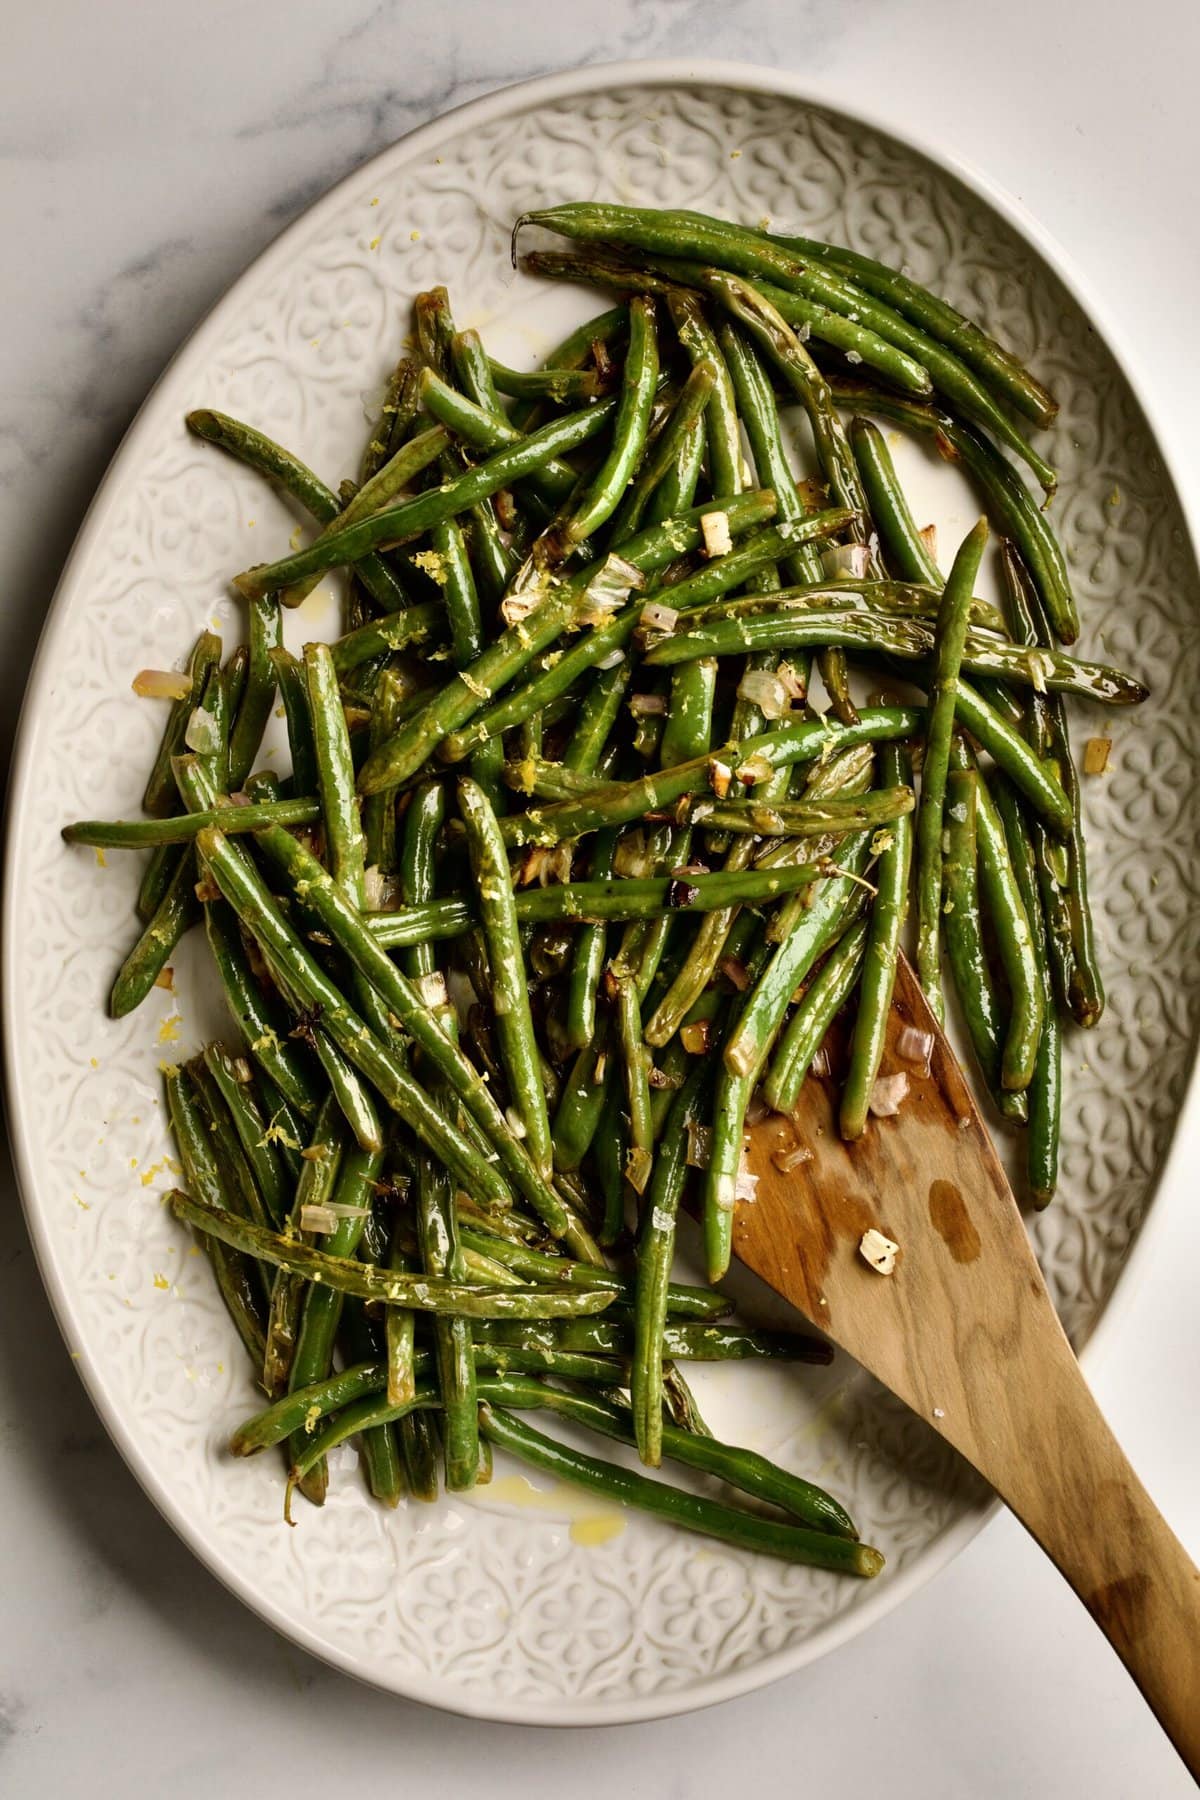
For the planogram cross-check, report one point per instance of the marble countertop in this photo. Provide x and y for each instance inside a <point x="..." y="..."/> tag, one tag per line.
<point x="149" y="151"/>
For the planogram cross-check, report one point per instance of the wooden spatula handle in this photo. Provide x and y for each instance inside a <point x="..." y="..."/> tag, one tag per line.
<point x="1082" y="1501"/>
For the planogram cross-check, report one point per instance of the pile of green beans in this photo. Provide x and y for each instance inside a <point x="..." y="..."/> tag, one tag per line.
<point x="574" y="865"/>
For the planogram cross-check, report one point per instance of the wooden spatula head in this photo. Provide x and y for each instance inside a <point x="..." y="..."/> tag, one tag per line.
<point x="927" y="1178"/>
<point x="965" y="1332"/>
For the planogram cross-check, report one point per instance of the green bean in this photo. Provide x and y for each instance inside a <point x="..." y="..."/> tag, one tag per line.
<point x="748" y="1044"/>
<point x="786" y="627"/>
<point x="258" y="693"/>
<point x="760" y="416"/>
<point x="688" y="1341"/>
<point x="303" y="1408"/>
<point x="408" y="519"/>
<point x="1065" y="890"/>
<point x="587" y="961"/>
<point x="436" y="1233"/>
<point x="963" y="925"/>
<point x="396" y="474"/>
<point x="735" y="247"/>
<point x="557" y="385"/>
<point x="630" y="897"/>
<point x="1014" y="944"/>
<point x="245" y="890"/>
<point x="420" y="624"/>
<point x="293" y="689"/>
<point x="514" y="1020"/>
<point x="799" y="741"/>
<point x="204" y="1139"/>
<point x="848" y="776"/>
<point x="720" y="418"/>
<point x="423" y="821"/>
<point x="904" y="549"/>
<point x="743" y="1469"/>
<point x="177" y="911"/>
<point x="804" y="818"/>
<point x="239" y="1279"/>
<point x="137" y="834"/>
<point x="159" y="797"/>
<point x="885" y="600"/>
<point x="379" y="810"/>
<point x="512" y="651"/>
<point x="879" y="961"/>
<point x="300" y="1409"/>
<point x="435" y="327"/>
<point x="655" y="1254"/>
<point x="635" y="1060"/>
<point x="485" y="429"/>
<point x="1037" y="780"/>
<point x="638" y="383"/>
<point x="280" y="466"/>
<point x="597" y="714"/>
<point x="805" y="1031"/>
<point x="772" y="334"/>
<point x="349" y="1088"/>
<point x="639" y="272"/>
<point x="239" y="1168"/>
<point x="948" y="647"/>
<point x="322" y="1307"/>
<point x="1014" y="509"/>
<point x="995" y="365"/>
<point x="395" y="416"/>
<point x="581" y="1104"/>
<point x="262" y="1024"/>
<point x="335" y="774"/>
<point x="749" y="1531"/>
<point x="580" y="345"/>
<point x="604" y="640"/>
<point x="232" y="1078"/>
<point x="314" y="1187"/>
<point x="1045" y="1089"/>
<point x="400" y="1330"/>
<point x="368" y="1282"/>
<point x="685" y="421"/>
<point x="682" y="1301"/>
<point x="389" y="1470"/>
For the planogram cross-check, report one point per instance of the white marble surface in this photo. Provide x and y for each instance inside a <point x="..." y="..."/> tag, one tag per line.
<point x="149" y="150"/>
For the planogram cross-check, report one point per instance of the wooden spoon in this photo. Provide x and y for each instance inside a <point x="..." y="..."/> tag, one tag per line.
<point x="965" y="1333"/>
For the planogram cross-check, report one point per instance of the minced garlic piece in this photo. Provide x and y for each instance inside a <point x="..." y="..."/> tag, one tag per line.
<point x="714" y="529"/>
<point x="879" y="1251"/>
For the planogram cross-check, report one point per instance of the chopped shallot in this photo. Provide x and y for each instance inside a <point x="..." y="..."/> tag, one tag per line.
<point x="746" y="1186"/>
<point x="318" y="1218"/>
<point x="787" y="1160"/>
<point x="714" y="529"/>
<point x="638" y="1165"/>
<point x="764" y="689"/>
<point x="915" y="1046"/>
<point x="719" y="777"/>
<point x="699" y="1145"/>
<point x="654" y="617"/>
<point x="887" y="1094"/>
<point x="647" y="706"/>
<point x="162" y="684"/>
<point x="1095" y="755"/>
<point x="753" y="770"/>
<point x="432" y="989"/>
<point x="840" y="560"/>
<point x="879" y="1251"/>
